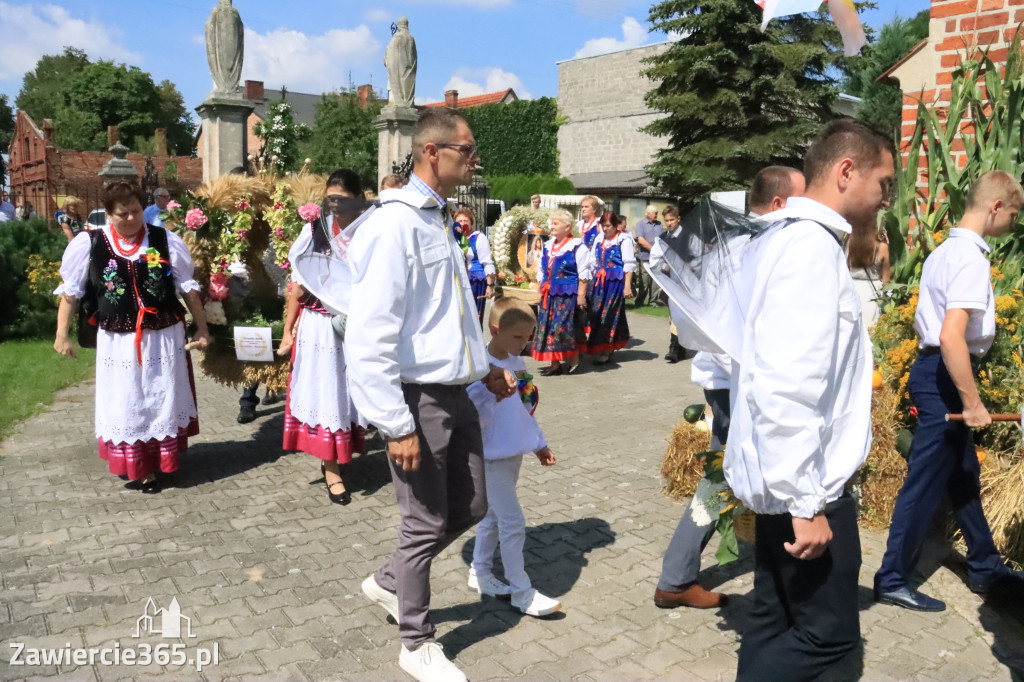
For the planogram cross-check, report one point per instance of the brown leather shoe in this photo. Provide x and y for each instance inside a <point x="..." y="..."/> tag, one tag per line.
<point x="694" y="596"/>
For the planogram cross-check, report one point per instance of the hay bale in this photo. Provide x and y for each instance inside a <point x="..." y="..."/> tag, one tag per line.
<point x="680" y="469"/>
<point x="881" y="477"/>
<point x="1002" y="496"/>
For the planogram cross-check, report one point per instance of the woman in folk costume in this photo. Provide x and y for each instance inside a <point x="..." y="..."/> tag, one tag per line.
<point x="589" y="224"/>
<point x="479" y="261"/>
<point x="562" y="276"/>
<point x="127" y="277"/>
<point x="319" y="418"/>
<point x="613" y="262"/>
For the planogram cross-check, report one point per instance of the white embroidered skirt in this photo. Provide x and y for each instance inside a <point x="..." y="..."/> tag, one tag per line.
<point x="319" y="416"/>
<point x="148" y="401"/>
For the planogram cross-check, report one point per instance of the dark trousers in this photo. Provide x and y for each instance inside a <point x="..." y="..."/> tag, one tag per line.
<point x="805" y="616"/>
<point x="249" y="397"/>
<point x="943" y="461"/>
<point x="645" y="289"/>
<point x="681" y="564"/>
<point x="438" y="502"/>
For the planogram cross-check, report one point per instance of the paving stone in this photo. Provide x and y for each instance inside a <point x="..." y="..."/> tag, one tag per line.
<point x="270" y="571"/>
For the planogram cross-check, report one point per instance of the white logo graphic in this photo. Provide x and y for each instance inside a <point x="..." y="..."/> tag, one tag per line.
<point x="163" y="622"/>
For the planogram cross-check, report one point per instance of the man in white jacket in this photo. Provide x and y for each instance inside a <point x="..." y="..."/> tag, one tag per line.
<point x="412" y="347"/>
<point x="801" y="411"/>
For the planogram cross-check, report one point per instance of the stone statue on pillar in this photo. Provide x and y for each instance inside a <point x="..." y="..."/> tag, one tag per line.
<point x="225" y="46"/>
<point x="400" y="61"/>
<point x="225" y="112"/>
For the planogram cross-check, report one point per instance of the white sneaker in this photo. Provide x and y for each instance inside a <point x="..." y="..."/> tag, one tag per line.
<point x="429" y="664"/>
<point x="378" y="595"/>
<point x="533" y="603"/>
<point x="488" y="585"/>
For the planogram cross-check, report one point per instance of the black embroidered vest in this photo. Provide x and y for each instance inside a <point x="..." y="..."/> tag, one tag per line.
<point x="320" y="245"/>
<point x="121" y="285"/>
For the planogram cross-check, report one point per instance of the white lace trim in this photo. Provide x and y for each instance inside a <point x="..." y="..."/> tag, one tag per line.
<point x="70" y="290"/>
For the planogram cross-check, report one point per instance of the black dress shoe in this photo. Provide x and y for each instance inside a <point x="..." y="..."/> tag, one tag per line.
<point x="273" y="397"/>
<point x="151" y="487"/>
<point x="1005" y="578"/>
<point x="246" y="414"/>
<point x="910" y="598"/>
<point x="342" y="498"/>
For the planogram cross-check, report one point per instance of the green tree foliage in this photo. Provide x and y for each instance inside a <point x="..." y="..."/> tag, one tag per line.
<point x="281" y="135"/>
<point x="44" y="89"/>
<point x="24" y="313"/>
<point x="6" y="131"/>
<point x="83" y="98"/>
<point x="882" y="107"/>
<point x="735" y="98"/>
<point x="519" y="138"/>
<point x="517" y="189"/>
<point x="343" y="136"/>
<point x="173" y="115"/>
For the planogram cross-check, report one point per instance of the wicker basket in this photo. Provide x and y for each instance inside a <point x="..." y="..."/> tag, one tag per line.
<point x="530" y="296"/>
<point x="744" y="525"/>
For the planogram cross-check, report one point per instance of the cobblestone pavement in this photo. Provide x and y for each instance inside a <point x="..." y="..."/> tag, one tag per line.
<point x="269" y="571"/>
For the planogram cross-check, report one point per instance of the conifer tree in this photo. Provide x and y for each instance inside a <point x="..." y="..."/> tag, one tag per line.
<point x="736" y="99"/>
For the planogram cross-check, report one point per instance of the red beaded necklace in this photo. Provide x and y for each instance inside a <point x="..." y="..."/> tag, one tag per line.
<point x="127" y="251"/>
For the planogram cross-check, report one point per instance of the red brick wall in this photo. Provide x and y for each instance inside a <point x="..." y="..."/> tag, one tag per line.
<point x="47" y="172"/>
<point x="960" y="28"/>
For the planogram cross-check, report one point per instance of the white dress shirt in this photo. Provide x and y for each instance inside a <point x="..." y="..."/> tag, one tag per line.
<point x="801" y="393"/>
<point x="508" y="427"/>
<point x="412" y="317"/>
<point x="711" y="371"/>
<point x="957" y="275"/>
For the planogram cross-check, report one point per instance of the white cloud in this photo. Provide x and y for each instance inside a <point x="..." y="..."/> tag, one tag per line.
<point x="379" y="15"/>
<point x="470" y="82"/>
<point x="304" y="63"/>
<point x="481" y="4"/>
<point x="31" y="31"/>
<point x="634" y="34"/>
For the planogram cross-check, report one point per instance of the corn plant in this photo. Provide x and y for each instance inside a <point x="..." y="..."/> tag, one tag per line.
<point x="985" y="114"/>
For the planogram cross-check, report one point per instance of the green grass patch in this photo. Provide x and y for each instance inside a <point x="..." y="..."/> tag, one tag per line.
<point x="656" y="311"/>
<point x="31" y="372"/>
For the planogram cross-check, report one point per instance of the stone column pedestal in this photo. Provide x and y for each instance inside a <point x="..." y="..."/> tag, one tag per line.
<point x="225" y="137"/>
<point x="394" y="136"/>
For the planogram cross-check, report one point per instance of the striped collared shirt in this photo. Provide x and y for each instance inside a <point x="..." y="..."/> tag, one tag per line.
<point x="417" y="185"/>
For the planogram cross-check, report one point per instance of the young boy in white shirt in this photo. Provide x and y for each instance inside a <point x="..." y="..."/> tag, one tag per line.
<point x="955" y="323"/>
<point x="509" y="431"/>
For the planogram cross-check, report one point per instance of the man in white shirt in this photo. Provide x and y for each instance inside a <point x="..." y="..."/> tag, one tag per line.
<point x="801" y="411"/>
<point x="678" y="585"/>
<point x="955" y="323"/>
<point x="151" y="216"/>
<point x="417" y="348"/>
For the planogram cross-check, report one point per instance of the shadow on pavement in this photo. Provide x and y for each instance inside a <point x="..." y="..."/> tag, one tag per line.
<point x="555" y="556"/>
<point x="206" y="462"/>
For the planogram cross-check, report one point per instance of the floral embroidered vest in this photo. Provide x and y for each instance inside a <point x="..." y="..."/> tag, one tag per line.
<point x="609" y="260"/>
<point x="122" y="286"/>
<point x="320" y="245"/>
<point x="475" y="267"/>
<point x="564" y="277"/>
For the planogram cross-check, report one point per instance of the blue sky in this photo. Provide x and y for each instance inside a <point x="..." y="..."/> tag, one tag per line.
<point x="473" y="46"/>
